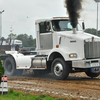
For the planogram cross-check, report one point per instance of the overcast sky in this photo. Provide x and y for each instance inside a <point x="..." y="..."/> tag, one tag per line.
<point x="21" y="14"/>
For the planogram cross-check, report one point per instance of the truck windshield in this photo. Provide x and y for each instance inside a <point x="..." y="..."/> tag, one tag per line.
<point x="20" y="45"/>
<point x="61" y="25"/>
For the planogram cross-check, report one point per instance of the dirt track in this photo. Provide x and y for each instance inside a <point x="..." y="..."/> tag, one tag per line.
<point x="75" y="86"/>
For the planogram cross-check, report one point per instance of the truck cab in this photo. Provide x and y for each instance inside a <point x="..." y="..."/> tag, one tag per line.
<point x="16" y="45"/>
<point x="48" y="33"/>
<point x="10" y="45"/>
<point x="61" y="50"/>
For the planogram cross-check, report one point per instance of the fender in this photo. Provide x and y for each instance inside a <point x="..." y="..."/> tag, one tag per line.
<point x="65" y="54"/>
<point x="3" y="57"/>
<point x="13" y="54"/>
<point x="63" y="51"/>
<point x="22" y="61"/>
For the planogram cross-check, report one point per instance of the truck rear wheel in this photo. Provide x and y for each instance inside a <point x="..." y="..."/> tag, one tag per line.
<point x="60" y="69"/>
<point x="10" y="68"/>
<point x="91" y="74"/>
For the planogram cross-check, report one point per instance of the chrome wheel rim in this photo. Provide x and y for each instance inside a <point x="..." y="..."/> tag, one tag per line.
<point x="58" y="69"/>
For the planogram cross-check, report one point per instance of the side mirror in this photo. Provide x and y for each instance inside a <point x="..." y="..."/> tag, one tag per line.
<point x="16" y="48"/>
<point x="83" y="25"/>
<point x="48" y="26"/>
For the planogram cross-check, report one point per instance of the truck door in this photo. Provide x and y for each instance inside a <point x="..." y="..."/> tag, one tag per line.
<point x="45" y="35"/>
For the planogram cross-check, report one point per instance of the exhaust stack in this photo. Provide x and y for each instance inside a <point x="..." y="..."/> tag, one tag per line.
<point x="73" y="8"/>
<point x="74" y="31"/>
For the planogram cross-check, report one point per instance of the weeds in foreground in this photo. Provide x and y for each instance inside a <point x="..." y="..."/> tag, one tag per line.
<point x="23" y="96"/>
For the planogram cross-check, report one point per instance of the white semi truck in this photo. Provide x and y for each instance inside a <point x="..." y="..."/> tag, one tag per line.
<point x="10" y="44"/>
<point x="61" y="50"/>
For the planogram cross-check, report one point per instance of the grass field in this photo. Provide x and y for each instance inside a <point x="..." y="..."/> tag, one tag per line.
<point x="22" y="96"/>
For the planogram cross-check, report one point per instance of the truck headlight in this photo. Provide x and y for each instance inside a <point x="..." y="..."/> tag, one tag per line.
<point x="73" y="55"/>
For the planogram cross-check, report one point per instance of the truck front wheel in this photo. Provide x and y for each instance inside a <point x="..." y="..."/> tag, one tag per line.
<point x="60" y="69"/>
<point x="91" y="74"/>
<point x="10" y="68"/>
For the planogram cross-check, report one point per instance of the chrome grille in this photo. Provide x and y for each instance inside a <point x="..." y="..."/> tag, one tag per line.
<point x="92" y="49"/>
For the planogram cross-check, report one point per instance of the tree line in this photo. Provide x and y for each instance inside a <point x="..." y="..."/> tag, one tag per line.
<point x="29" y="41"/>
<point x="92" y="31"/>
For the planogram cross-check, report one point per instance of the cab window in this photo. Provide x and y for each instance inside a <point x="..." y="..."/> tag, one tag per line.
<point x="44" y="27"/>
<point x="61" y="25"/>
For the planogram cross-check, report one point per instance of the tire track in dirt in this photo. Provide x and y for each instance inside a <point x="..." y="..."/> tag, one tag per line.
<point x="77" y="86"/>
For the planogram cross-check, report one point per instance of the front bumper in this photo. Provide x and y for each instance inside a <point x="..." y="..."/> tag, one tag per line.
<point x="91" y="63"/>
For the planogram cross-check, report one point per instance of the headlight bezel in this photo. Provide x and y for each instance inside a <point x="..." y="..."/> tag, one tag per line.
<point x="73" y="55"/>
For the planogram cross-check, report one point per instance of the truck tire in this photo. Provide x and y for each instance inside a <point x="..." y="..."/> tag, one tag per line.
<point x="90" y="74"/>
<point x="60" y="69"/>
<point x="10" y="68"/>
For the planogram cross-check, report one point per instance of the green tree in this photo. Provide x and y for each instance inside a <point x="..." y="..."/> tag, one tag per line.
<point x="28" y="41"/>
<point x="2" y="38"/>
<point x="2" y="70"/>
<point x="91" y="31"/>
<point x="99" y="33"/>
<point x="34" y="42"/>
<point x="24" y="39"/>
<point x="12" y="36"/>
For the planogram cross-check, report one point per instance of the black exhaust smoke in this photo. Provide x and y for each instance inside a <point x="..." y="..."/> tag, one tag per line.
<point x="73" y="8"/>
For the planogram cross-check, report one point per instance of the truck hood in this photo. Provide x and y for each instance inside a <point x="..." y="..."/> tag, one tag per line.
<point x="80" y="35"/>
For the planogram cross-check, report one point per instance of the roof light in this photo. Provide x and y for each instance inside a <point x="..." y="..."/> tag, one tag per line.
<point x="60" y="17"/>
